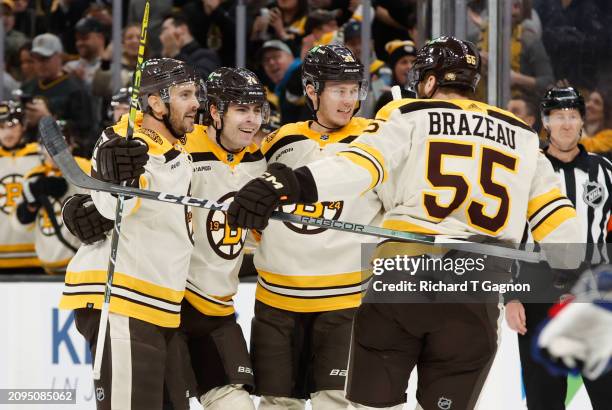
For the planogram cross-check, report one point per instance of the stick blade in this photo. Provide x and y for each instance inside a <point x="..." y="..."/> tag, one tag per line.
<point x="51" y="136"/>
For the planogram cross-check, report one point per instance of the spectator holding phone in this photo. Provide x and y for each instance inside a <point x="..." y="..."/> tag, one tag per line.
<point x="53" y="92"/>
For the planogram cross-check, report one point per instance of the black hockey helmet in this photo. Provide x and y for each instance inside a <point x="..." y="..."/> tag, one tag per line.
<point x="159" y="74"/>
<point x="454" y="63"/>
<point x="333" y="62"/>
<point x="122" y="96"/>
<point x="558" y="98"/>
<point x="228" y="85"/>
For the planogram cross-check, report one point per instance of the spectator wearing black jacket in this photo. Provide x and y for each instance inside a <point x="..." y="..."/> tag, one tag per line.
<point x="213" y="25"/>
<point x="574" y="36"/>
<point x="178" y="43"/>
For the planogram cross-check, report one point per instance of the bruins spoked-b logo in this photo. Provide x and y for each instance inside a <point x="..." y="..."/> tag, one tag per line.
<point x="593" y="194"/>
<point x="10" y="192"/>
<point x="44" y="222"/>
<point x="225" y="241"/>
<point x="327" y="210"/>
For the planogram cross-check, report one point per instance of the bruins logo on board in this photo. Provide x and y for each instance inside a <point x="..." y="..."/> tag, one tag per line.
<point x="44" y="222"/>
<point x="328" y="210"/>
<point x="10" y="192"/>
<point x="225" y="241"/>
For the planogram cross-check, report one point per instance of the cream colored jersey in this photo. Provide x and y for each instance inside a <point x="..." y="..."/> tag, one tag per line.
<point x="155" y="243"/>
<point x="306" y="269"/>
<point x="218" y="251"/>
<point x="16" y="244"/>
<point x="454" y="167"/>
<point x="54" y="256"/>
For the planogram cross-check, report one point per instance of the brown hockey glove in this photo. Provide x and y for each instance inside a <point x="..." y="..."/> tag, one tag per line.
<point x="83" y="219"/>
<point x="120" y="159"/>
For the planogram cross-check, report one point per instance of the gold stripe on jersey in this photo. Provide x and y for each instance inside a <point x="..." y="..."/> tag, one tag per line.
<point x="354" y="128"/>
<point x="311" y="293"/>
<point x="157" y="144"/>
<point x="400" y="225"/>
<point x="18" y="263"/>
<point x="54" y="268"/>
<point x="22" y="255"/>
<point x="50" y="169"/>
<point x="536" y="204"/>
<point x="369" y="158"/>
<point x="210" y="305"/>
<point x="407" y="105"/>
<point x="20" y="247"/>
<point x="131" y="297"/>
<point x="552" y="220"/>
<point x="32" y="148"/>
<point x="199" y="143"/>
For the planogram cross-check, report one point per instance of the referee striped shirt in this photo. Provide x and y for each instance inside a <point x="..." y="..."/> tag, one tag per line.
<point x="588" y="184"/>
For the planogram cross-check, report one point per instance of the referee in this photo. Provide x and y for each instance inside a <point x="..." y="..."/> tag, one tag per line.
<point x="588" y="184"/>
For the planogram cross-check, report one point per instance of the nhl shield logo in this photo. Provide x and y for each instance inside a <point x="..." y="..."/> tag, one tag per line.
<point x="593" y="194"/>
<point x="444" y="403"/>
<point x="99" y="393"/>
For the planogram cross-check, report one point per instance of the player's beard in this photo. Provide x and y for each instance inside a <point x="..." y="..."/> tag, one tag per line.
<point x="178" y="123"/>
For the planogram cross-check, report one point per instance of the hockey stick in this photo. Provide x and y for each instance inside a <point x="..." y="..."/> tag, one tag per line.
<point x="110" y="273"/>
<point x="58" y="149"/>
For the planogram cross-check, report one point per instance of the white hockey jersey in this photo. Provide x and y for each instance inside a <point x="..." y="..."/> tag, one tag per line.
<point x="155" y="243"/>
<point x="218" y="251"/>
<point x="456" y="167"/>
<point x="16" y="245"/>
<point x="306" y="269"/>
<point x="54" y="256"/>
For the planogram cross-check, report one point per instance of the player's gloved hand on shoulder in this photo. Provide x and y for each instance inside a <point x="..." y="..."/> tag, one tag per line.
<point x="34" y="188"/>
<point x="83" y="219"/>
<point x="120" y="159"/>
<point x="254" y="203"/>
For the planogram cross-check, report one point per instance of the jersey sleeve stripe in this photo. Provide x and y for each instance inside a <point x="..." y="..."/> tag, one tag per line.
<point x="372" y="155"/>
<point x="364" y="162"/>
<point x="536" y="204"/>
<point x="552" y="221"/>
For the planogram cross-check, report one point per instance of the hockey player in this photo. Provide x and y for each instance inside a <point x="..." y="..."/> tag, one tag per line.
<point x="17" y="254"/>
<point x="224" y="159"/>
<point x="309" y="280"/>
<point x="155" y="243"/>
<point x="44" y="193"/>
<point x="451" y="165"/>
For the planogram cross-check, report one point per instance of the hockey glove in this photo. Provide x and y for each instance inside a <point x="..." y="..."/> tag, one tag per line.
<point x="578" y="338"/>
<point x="25" y="214"/>
<point x="34" y="188"/>
<point x="120" y="159"/>
<point x="83" y="219"/>
<point x="254" y="203"/>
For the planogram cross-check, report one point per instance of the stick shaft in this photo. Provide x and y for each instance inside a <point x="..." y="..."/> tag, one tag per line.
<point x="110" y="273"/>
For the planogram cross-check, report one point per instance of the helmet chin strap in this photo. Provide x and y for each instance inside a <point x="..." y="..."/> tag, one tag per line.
<point x="165" y="119"/>
<point x="218" y="137"/>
